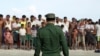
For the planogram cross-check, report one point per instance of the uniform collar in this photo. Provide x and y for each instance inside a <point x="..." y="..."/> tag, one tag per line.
<point x="50" y="24"/>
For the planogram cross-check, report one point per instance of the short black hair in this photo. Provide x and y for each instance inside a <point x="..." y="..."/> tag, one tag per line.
<point x="89" y="19"/>
<point x="62" y="26"/>
<point x="73" y="18"/>
<point x="23" y="16"/>
<point x="32" y="16"/>
<point x="7" y="15"/>
<point x="65" y="17"/>
<point x="29" y="23"/>
<point x="22" y="25"/>
<point x="16" y="18"/>
<point x="27" y="18"/>
<point x="33" y="26"/>
<point x="39" y="15"/>
<point x="1" y="15"/>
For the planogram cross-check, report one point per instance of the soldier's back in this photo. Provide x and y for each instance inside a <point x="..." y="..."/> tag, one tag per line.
<point x="50" y="40"/>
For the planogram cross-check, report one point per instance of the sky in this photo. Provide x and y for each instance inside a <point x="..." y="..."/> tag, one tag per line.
<point x="69" y="8"/>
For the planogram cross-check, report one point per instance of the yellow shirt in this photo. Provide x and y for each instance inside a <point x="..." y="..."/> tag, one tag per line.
<point x="24" y="23"/>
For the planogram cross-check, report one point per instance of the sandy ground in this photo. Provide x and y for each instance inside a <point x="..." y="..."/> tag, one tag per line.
<point x="19" y="52"/>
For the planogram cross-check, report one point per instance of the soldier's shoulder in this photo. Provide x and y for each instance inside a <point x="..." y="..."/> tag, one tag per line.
<point x="58" y="27"/>
<point x="41" y="29"/>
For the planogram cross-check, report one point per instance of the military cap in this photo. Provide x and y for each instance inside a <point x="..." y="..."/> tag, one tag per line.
<point x="50" y="15"/>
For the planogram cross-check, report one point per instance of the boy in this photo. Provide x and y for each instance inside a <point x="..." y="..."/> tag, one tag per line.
<point x="22" y="33"/>
<point x="28" y="35"/>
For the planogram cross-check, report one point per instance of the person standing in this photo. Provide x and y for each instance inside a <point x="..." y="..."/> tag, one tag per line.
<point x="32" y="20"/>
<point x="50" y="39"/>
<point x="66" y="30"/>
<point x="22" y="34"/>
<point x="15" y="30"/>
<point x="1" y="28"/>
<point x="57" y="22"/>
<point x="81" y="34"/>
<point x="28" y="35"/>
<point x="23" y="20"/>
<point x="98" y="35"/>
<point x="8" y="22"/>
<point x="73" y="32"/>
<point x="90" y="41"/>
<point x="40" y="20"/>
<point x="34" y="33"/>
<point x="66" y="24"/>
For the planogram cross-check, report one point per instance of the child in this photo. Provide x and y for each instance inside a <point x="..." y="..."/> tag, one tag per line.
<point x="8" y="38"/>
<point x="22" y="33"/>
<point x="28" y="35"/>
<point x="74" y="38"/>
<point x="34" y="32"/>
<point x="62" y="27"/>
<point x="43" y="24"/>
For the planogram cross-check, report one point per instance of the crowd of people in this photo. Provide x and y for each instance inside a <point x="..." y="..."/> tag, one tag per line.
<point x="80" y="34"/>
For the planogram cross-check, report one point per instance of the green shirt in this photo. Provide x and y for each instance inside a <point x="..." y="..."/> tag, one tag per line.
<point x="51" y="40"/>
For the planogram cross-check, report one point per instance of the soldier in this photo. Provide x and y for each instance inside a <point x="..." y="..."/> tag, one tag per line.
<point x="50" y="39"/>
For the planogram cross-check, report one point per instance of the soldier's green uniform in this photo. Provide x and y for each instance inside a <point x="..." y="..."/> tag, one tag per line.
<point x="51" y="40"/>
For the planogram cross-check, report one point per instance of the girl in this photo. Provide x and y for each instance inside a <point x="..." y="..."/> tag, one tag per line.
<point x="8" y="38"/>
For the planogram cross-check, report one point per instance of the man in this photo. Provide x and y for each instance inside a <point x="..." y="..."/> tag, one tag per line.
<point x="1" y="28"/>
<point x="98" y="36"/>
<point x="58" y="23"/>
<point x="32" y="20"/>
<point x="8" y="22"/>
<point x="81" y="34"/>
<point x="15" y="29"/>
<point x="73" y="33"/>
<point x="66" y="30"/>
<point x="90" y="40"/>
<point x="50" y="39"/>
<point x="66" y="24"/>
<point x="39" y="21"/>
<point x="13" y="19"/>
<point x="40" y="17"/>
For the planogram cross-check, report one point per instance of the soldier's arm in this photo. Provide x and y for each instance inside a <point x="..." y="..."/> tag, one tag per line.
<point x="64" y="44"/>
<point x="37" y="45"/>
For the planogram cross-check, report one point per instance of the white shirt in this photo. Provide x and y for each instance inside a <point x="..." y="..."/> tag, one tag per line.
<point x="16" y="25"/>
<point x="58" y="24"/>
<point x="39" y="22"/>
<point x="81" y="28"/>
<point x="8" y="24"/>
<point x="89" y="26"/>
<point x="22" y="31"/>
<point x="64" y="30"/>
<point x="92" y="26"/>
<point x="34" y="33"/>
<point x="66" y="26"/>
<point x="98" y="29"/>
<point x="33" y="23"/>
